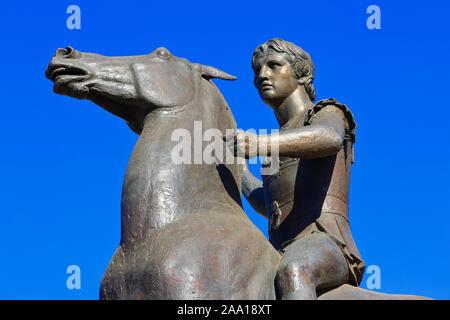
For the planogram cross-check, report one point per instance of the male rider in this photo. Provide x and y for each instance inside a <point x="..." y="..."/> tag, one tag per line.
<point x="306" y="200"/>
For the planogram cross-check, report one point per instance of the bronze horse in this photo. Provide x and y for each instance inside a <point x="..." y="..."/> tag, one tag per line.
<point x="184" y="234"/>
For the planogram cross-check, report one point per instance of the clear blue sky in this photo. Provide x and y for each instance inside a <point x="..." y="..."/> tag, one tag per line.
<point x="63" y="160"/>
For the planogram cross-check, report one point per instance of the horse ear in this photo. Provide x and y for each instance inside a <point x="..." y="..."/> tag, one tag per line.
<point x="208" y="72"/>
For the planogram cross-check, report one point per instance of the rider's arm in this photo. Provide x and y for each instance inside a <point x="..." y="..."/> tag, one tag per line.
<point x="253" y="190"/>
<point x="323" y="137"/>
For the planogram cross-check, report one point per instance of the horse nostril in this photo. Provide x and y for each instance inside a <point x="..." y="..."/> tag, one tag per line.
<point x="68" y="52"/>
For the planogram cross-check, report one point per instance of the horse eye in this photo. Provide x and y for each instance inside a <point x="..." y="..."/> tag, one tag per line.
<point x="162" y="52"/>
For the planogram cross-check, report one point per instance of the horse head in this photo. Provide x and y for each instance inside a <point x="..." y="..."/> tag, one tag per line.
<point x="132" y="86"/>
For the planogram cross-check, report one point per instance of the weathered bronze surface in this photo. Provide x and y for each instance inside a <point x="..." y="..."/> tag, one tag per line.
<point x="306" y="200"/>
<point x="184" y="234"/>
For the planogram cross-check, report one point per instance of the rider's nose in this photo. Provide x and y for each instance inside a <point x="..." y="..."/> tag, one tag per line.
<point x="263" y="74"/>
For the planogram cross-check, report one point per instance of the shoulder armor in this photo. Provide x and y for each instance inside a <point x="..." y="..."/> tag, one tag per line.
<point x="351" y="124"/>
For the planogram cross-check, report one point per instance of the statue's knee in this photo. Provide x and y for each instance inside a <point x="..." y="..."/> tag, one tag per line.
<point x="295" y="281"/>
<point x="294" y="270"/>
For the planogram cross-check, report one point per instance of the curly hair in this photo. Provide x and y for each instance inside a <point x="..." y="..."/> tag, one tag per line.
<point x="300" y="61"/>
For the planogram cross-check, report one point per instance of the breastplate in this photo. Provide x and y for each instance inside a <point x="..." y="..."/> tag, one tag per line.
<point x="303" y="189"/>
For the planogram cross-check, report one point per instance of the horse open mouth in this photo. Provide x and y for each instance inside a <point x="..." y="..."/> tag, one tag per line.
<point x="63" y="75"/>
<point x="56" y="71"/>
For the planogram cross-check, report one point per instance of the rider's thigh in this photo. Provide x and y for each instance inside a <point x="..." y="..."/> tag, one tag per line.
<point x="318" y="258"/>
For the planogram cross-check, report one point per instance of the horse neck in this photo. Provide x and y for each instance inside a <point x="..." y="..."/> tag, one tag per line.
<point x="157" y="191"/>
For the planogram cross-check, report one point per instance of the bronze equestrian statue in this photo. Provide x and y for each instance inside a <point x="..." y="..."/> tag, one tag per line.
<point x="184" y="234"/>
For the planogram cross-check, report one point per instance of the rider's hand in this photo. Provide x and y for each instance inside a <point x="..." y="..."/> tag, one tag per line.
<point x="242" y="144"/>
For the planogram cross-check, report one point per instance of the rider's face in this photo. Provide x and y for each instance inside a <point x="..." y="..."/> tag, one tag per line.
<point x="274" y="79"/>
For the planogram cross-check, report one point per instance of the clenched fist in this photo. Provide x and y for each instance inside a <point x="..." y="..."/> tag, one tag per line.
<point x="242" y="144"/>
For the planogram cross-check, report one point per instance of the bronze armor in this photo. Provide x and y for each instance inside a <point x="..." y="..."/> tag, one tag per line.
<point x="312" y="195"/>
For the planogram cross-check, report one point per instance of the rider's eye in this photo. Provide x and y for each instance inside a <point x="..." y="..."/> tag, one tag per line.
<point x="274" y="65"/>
